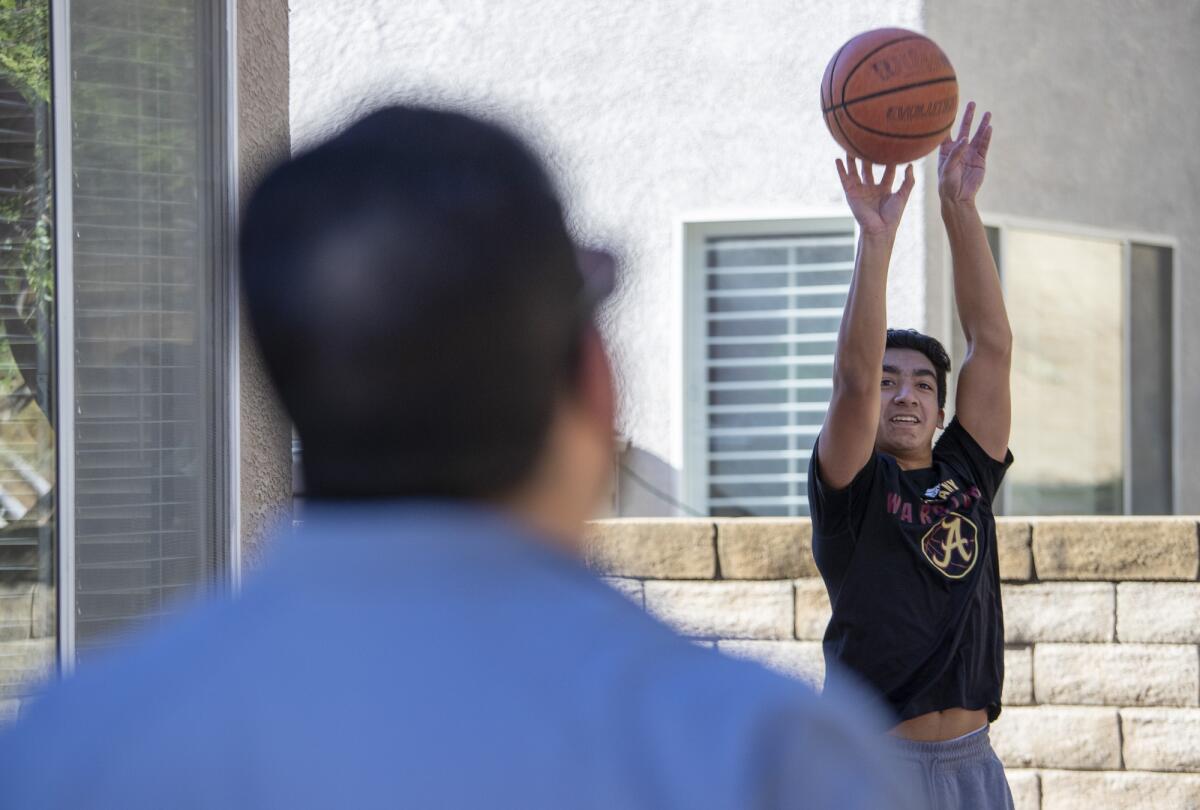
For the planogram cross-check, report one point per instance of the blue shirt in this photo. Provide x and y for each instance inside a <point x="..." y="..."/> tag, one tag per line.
<point x="434" y="655"/>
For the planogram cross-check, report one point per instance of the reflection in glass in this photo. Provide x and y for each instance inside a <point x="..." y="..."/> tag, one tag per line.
<point x="147" y="388"/>
<point x="1151" y="385"/>
<point x="1065" y="302"/>
<point x="27" y="444"/>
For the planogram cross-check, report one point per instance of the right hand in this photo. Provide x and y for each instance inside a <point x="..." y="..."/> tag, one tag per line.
<point x="876" y="207"/>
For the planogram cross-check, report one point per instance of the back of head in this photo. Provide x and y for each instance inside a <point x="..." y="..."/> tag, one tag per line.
<point x="418" y="304"/>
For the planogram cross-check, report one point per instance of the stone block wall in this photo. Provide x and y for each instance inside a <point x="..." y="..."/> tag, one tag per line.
<point x="1102" y="624"/>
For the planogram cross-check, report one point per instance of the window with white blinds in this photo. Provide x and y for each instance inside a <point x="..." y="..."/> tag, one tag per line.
<point x="771" y="305"/>
<point x="149" y="379"/>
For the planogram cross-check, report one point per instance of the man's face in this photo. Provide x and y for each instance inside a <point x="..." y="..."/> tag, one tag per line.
<point x="908" y="403"/>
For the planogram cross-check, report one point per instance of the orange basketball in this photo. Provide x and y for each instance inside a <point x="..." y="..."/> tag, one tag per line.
<point x="889" y="95"/>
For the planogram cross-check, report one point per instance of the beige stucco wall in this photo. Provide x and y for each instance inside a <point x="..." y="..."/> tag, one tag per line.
<point x="262" y="86"/>
<point x="652" y="114"/>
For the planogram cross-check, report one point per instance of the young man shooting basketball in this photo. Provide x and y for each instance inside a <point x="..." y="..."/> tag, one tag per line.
<point x="903" y="531"/>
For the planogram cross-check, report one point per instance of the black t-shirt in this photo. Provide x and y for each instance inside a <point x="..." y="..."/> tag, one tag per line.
<point x="909" y="560"/>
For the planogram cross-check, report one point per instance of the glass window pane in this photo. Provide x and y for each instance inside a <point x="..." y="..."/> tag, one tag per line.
<point x="147" y="184"/>
<point x="28" y="526"/>
<point x="1065" y="303"/>
<point x="1151" y="379"/>
<point x="773" y="306"/>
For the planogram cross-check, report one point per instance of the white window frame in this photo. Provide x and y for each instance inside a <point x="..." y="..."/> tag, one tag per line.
<point x="694" y="232"/>
<point x="64" y="324"/>
<point x="1005" y="224"/>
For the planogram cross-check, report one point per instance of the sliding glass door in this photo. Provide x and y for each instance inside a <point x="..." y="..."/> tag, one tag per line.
<point x="114" y="219"/>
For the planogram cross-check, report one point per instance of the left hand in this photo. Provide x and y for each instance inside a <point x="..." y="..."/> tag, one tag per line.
<point x="962" y="162"/>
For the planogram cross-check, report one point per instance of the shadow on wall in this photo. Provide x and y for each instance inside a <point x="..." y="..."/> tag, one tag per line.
<point x="643" y="485"/>
<point x="646" y="486"/>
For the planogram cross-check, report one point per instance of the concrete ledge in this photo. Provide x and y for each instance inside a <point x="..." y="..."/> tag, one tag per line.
<point x="662" y="548"/>
<point x="1014" y="542"/>
<point x="1116" y="548"/>
<point x="1161" y="739"/>
<point x="1116" y="674"/>
<point x="1018" y="676"/>
<point x="1058" y="737"/>
<point x="812" y="609"/>
<point x="631" y="589"/>
<point x="1026" y="788"/>
<point x="1159" y="612"/>
<point x="765" y="548"/>
<point x="724" y="610"/>
<point x="1059" y="611"/>
<point x="1084" y="548"/>
<point x="1128" y="790"/>
<point x="802" y="660"/>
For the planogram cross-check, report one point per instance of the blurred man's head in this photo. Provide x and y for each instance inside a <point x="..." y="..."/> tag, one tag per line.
<point x="426" y="318"/>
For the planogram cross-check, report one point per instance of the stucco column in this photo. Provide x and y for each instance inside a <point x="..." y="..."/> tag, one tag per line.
<point x="263" y="139"/>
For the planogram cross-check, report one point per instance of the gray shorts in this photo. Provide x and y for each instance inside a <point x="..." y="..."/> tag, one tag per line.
<point x="960" y="773"/>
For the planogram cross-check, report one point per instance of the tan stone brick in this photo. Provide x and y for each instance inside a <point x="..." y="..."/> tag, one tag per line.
<point x="1018" y="676"/>
<point x="765" y="548"/>
<point x="631" y="589"/>
<point x="1059" y="611"/>
<point x="1026" y="789"/>
<point x="1159" y="612"/>
<point x="1116" y="548"/>
<point x="802" y="660"/>
<point x="1075" y="790"/>
<point x="1116" y="674"/>
<point x="724" y="610"/>
<point x="812" y="609"/>
<point x="1161" y="739"/>
<point x="1057" y="737"/>
<point x="662" y="548"/>
<point x="1014" y="542"/>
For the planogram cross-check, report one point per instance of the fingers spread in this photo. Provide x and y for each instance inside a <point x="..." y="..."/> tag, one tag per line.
<point x="956" y="154"/>
<point x="868" y="175"/>
<point x="889" y="176"/>
<point x="851" y="167"/>
<point x="909" y="181"/>
<point x="842" y="172"/>
<point x="968" y="115"/>
<point x="985" y="126"/>
<point x="984" y="141"/>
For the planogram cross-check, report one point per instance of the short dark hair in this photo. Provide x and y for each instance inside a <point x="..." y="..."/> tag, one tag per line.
<point x="416" y="295"/>
<point x="928" y="346"/>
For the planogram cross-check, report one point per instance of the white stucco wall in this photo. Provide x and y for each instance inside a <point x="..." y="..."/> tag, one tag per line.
<point x="1095" y="125"/>
<point x="650" y="113"/>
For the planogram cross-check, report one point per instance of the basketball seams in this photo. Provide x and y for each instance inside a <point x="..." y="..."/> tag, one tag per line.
<point x="839" y="105"/>
<point x="849" y="141"/>
<point x="902" y="88"/>
<point x="867" y="56"/>
<point x="885" y="134"/>
<point x="836" y="120"/>
<point x="850" y="115"/>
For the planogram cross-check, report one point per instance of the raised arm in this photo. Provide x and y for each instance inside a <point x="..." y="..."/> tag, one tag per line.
<point x="848" y="436"/>
<point x="984" y="401"/>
